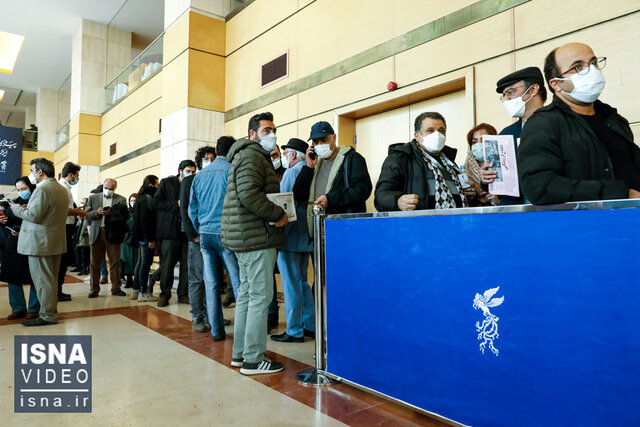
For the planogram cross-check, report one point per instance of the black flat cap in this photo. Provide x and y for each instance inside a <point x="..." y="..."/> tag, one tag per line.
<point x="531" y="74"/>
<point x="296" y="144"/>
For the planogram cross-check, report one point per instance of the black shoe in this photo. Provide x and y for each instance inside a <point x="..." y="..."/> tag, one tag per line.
<point x="265" y="367"/>
<point x="37" y="322"/>
<point x="284" y="337"/>
<point x="64" y="297"/>
<point x="272" y="322"/>
<point x="309" y="334"/>
<point x="104" y="280"/>
<point x="84" y="272"/>
<point x="227" y="322"/>
<point x="230" y="299"/>
<point x="218" y="337"/>
<point x="128" y="286"/>
<point x="119" y="293"/>
<point x="76" y="270"/>
<point x="94" y="294"/>
<point x="163" y="301"/>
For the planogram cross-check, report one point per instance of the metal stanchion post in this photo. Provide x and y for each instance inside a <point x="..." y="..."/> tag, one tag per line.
<point x="317" y="376"/>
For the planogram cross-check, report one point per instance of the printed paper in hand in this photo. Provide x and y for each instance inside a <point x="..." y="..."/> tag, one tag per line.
<point x="500" y="151"/>
<point x="285" y="201"/>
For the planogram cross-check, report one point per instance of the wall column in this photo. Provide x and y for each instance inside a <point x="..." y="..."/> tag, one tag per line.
<point x="193" y="79"/>
<point x="98" y="51"/>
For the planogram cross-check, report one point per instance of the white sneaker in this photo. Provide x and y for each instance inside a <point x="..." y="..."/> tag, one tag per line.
<point x="147" y="297"/>
<point x="134" y="294"/>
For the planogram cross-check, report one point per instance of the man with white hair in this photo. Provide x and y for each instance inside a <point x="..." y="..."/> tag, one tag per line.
<point x="108" y="214"/>
<point x="293" y="258"/>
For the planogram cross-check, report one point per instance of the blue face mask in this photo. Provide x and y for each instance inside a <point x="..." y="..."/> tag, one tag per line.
<point x="74" y="182"/>
<point x="24" y="195"/>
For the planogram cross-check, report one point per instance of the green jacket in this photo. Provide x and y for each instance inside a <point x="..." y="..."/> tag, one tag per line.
<point x="247" y="211"/>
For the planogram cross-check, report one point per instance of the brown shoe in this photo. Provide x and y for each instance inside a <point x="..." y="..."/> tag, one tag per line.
<point x="163" y="302"/>
<point x="183" y="300"/>
<point x="18" y="315"/>
<point x="33" y="315"/>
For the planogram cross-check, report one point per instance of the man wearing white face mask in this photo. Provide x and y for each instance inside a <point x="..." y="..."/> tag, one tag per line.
<point x="108" y="213"/>
<point x="577" y="148"/>
<point x="335" y="178"/>
<point x="421" y="174"/>
<point x="523" y="93"/>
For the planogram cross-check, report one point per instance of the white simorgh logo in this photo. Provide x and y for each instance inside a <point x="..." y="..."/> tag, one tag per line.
<point x="488" y="330"/>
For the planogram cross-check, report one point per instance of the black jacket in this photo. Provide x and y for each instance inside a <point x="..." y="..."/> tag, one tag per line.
<point x="345" y="196"/>
<point x="561" y="160"/>
<point x="14" y="268"/>
<point x="144" y="219"/>
<point x="185" y="195"/>
<point x="405" y="171"/>
<point x="116" y="224"/>
<point x="168" y="212"/>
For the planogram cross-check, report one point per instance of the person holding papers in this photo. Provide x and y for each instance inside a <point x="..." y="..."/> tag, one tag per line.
<point x="246" y="230"/>
<point x="577" y="148"/>
<point x="522" y="93"/>
<point x="421" y="174"/>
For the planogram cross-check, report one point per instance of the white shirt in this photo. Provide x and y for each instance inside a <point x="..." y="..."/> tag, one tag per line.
<point x="106" y="201"/>
<point x="70" y="218"/>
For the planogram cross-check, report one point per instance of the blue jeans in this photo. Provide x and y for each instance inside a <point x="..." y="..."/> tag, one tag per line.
<point x="17" y="301"/>
<point x="298" y="299"/>
<point x="141" y="271"/>
<point x="214" y="255"/>
<point x="103" y="268"/>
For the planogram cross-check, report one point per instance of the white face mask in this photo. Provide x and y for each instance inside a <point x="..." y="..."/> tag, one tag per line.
<point x="586" y="87"/>
<point x="186" y="174"/>
<point x="323" y="151"/>
<point x="276" y="163"/>
<point x="32" y="178"/>
<point x="108" y="193"/>
<point x="132" y="203"/>
<point x="478" y="152"/>
<point x="434" y="142"/>
<point x="515" y="107"/>
<point x="268" y="142"/>
<point x="285" y="161"/>
<point x="205" y="163"/>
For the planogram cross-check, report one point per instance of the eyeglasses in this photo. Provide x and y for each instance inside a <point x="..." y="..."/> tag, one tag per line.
<point x="508" y="94"/>
<point x="582" y="68"/>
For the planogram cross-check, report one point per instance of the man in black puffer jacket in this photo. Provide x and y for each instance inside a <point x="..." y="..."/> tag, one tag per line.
<point x="170" y="233"/>
<point x="577" y="148"/>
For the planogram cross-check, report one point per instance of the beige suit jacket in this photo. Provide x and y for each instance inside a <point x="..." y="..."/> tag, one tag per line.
<point x="43" y="230"/>
<point x="95" y="202"/>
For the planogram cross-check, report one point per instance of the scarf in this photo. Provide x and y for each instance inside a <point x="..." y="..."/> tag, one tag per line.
<point x="473" y="169"/>
<point x="444" y="198"/>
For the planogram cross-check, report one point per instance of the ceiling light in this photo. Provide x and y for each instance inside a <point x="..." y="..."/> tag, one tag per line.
<point x="10" y="45"/>
<point x="1" y="94"/>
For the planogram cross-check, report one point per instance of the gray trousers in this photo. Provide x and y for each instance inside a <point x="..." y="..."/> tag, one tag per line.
<point x="44" y="272"/>
<point x="254" y="296"/>
<point x="196" y="282"/>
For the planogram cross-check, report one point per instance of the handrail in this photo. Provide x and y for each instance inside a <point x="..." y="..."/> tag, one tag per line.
<point x="134" y="60"/>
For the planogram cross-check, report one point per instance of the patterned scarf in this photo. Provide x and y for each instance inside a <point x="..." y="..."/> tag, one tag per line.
<point x="444" y="198"/>
<point x="474" y="170"/>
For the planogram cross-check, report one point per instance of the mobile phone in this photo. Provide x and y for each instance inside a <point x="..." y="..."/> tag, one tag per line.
<point x="313" y="155"/>
<point x="106" y="208"/>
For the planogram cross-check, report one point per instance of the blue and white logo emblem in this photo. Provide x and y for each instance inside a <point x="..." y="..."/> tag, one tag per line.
<point x="488" y="330"/>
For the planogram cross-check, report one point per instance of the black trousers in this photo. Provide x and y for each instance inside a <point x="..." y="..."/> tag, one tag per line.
<point x="83" y="257"/>
<point x="67" y="258"/>
<point x="173" y="252"/>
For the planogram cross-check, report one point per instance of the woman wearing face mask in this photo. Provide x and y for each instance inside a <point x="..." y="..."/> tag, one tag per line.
<point x="475" y="161"/>
<point x="129" y="250"/>
<point x="15" y="267"/>
<point x="144" y="232"/>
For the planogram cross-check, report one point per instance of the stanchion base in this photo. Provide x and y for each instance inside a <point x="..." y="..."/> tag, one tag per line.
<point x="313" y="377"/>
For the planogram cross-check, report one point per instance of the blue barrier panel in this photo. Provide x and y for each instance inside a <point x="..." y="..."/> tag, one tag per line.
<point x="414" y="312"/>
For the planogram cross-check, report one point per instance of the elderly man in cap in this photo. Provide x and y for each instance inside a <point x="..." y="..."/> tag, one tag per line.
<point x="522" y="93"/>
<point x="577" y="147"/>
<point x="293" y="258"/>
<point x="335" y="178"/>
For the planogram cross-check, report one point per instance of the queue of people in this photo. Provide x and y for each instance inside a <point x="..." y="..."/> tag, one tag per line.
<point x="215" y="216"/>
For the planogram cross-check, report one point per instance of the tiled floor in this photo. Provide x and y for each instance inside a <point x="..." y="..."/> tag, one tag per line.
<point x="150" y="368"/>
